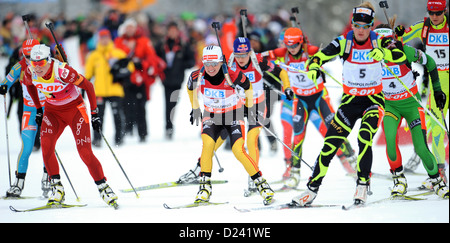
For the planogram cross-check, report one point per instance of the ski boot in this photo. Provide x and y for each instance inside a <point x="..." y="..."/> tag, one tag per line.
<point x="205" y="190"/>
<point x="107" y="194"/>
<point x="412" y="164"/>
<point x="362" y="190"/>
<point x="428" y="183"/>
<point x="16" y="188"/>
<point x="251" y="188"/>
<point x="440" y="187"/>
<point x="400" y="184"/>
<point x="45" y="184"/>
<point x="306" y="198"/>
<point x="264" y="190"/>
<point x="58" y="195"/>
<point x="190" y="177"/>
<point x="294" y="179"/>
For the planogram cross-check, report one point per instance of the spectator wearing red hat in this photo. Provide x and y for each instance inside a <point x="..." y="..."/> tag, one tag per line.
<point x="434" y="33"/>
<point x="142" y="53"/>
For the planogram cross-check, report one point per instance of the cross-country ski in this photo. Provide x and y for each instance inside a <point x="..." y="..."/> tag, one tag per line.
<point x="230" y="112"/>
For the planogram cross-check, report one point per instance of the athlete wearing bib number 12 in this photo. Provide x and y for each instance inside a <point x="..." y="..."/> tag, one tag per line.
<point x="434" y="33"/>
<point x="362" y="53"/>
<point x="29" y="127"/>
<point x="64" y="107"/>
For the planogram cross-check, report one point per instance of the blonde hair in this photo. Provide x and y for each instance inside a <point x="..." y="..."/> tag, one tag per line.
<point x="367" y="4"/>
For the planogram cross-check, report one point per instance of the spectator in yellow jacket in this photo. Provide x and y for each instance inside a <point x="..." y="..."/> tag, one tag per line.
<point x="110" y="68"/>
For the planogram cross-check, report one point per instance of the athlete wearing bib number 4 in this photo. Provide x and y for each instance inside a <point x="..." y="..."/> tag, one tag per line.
<point x="434" y="33"/>
<point x="64" y="107"/>
<point x="362" y="52"/>
<point x="400" y="104"/>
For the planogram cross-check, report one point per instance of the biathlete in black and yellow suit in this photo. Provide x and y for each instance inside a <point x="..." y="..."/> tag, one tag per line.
<point x="310" y="96"/>
<point x="254" y="66"/>
<point x="362" y="53"/>
<point x="224" y="96"/>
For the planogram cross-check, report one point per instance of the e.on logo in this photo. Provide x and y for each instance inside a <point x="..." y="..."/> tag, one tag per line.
<point x="362" y="92"/>
<point x="50" y="87"/>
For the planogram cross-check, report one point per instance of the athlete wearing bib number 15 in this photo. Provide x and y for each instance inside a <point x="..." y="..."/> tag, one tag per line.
<point x="64" y="107"/>
<point x="362" y="53"/>
<point x="434" y="33"/>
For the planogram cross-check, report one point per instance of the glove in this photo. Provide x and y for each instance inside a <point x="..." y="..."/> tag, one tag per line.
<point x="39" y="116"/>
<point x="95" y="120"/>
<point x="440" y="99"/>
<point x="289" y="93"/>
<point x="377" y="54"/>
<point x="196" y="115"/>
<point x="3" y="89"/>
<point x="314" y="69"/>
<point x="386" y="42"/>
<point x="400" y="30"/>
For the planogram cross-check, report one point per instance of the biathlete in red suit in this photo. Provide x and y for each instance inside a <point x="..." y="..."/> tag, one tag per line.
<point x="64" y="107"/>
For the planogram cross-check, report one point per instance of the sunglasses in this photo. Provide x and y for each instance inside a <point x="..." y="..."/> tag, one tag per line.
<point x="40" y="63"/>
<point x="364" y="26"/>
<point x="240" y="55"/>
<point x="437" y="13"/>
<point x="293" y="46"/>
<point x="210" y="64"/>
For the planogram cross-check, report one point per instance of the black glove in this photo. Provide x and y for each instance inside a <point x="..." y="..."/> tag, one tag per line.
<point x="39" y="116"/>
<point x="440" y="99"/>
<point x="95" y="120"/>
<point x="3" y="89"/>
<point x="387" y="42"/>
<point x="196" y="115"/>
<point x="289" y="93"/>
<point x="400" y="30"/>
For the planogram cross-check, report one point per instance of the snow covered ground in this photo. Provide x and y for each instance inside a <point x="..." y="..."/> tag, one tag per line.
<point x="159" y="160"/>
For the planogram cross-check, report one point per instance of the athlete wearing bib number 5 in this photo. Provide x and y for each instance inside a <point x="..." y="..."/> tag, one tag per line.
<point x="434" y="33"/>
<point x="361" y="52"/>
<point x="64" y="106"/>
<point x="400" y="104"/>
<point x="310" y="96"/>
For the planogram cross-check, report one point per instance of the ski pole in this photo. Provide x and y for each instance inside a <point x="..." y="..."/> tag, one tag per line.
<point x="384" y="5"/>
<point x="285" y="145"/>
<point x="432" y="115"/>
<point x="217" y="159"/>
<point x="115" y="157"/>
<point x="7" y="143"/>
<point x="50" y="26"/>
<point x="67" y="175"/>
<point x="216" y="27"/>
